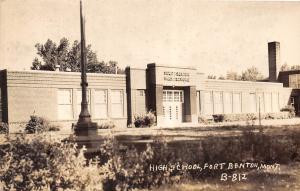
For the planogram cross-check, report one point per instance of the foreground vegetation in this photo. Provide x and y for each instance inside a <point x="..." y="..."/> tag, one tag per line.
<point x="41" y="162"/>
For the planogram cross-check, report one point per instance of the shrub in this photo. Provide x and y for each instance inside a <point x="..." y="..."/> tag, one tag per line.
<point x="290" y="109"/>
<point x="3" y="128"/>
<point x="38" y="124"/>
<point x="131" y="166"/>
<point x="145" y="120"/>
<point x="42" y="163"/>
<point x="54" y="128"/>
<point x="249" y="116"/>
<point x="131" y="162"/>
<point x="107" y="125"/>
<point x="218" y="118"/>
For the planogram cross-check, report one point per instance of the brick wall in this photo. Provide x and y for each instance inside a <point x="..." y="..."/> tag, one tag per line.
<point x="135" y="85"/>
<point x="36" y="92"/>
<point x="269" y="93"/>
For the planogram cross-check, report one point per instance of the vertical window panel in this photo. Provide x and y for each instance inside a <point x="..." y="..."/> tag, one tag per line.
<point x="164" y="96"/>
<point x="237" y="103"/>
<point x="268" y="102"/>
<point x="176" y="96"/>
<point x="260" y="102"/>
<point x="208" y="103"/>
<point x="227" y="97"/>
<point x="117" y="107"/>
<point x="169" y="96"/>
<point x="293" y="82"/>
<point x="275" y="102"/>
<point x="218" y="103"/>
<point x="64" y="108"/>
<point x="100" y="104"/>
<point x="252" y="103"/>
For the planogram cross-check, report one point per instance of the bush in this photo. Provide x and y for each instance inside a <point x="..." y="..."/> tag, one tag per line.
<point x="36" y="125"/>
<point x="131" y="165"/>
<point x="146" y="120"/>
<point x="107" y="125"/>
<point x="250" y="116"/>
<point x="131" y="162"/>
<point x="42" y="163"/>
<point x="218" y="118"/>
<point x="39" y="124"/>
<point x="3" y="128"/>
<point x="290" y="109"/>
<point x="54" y="128"/>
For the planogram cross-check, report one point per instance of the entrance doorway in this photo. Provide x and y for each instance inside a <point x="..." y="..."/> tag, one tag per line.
<point x="172" y="106"/>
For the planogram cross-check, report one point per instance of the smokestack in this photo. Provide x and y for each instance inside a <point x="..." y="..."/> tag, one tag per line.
<point x="274" y="60"/>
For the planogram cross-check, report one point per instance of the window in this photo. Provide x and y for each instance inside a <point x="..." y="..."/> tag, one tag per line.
<point x="117" y="109"/>
<point x="79" y="98"/>
<point x="141" y="92"/>
<point x="164" y="96"/>
<point x="237" y="103"/>
<point x="100" y="108"/>
<point x="173" y="96"/>
<point x="260" y="102"/>
<point x="64" y="100"/>
<point x="227" y="96"/>
<point x="252" y="103"/>
<point x="268" y="102"/>
<point x="181" y="96"/>
<point x="176" y="96"/>
<point x="208" y="104"/>
<point x="293" y="81"/>
<point x="169" y="96"/>
<point x="275" y="102"/>
<point x="218" y="103"/>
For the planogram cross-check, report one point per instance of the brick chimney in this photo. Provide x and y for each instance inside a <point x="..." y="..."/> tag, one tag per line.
<point x="274" y="60"/>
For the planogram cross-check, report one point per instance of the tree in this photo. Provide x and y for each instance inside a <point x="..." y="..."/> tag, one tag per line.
<point x="295" y="67"/>
<point x="251" y="74"/>
<point x="211" y="76"/>
<point x="221" y="78"/>
<point x="233" y="76"/>
<point x="69" y="58"/>
<point x="285" y="67"/>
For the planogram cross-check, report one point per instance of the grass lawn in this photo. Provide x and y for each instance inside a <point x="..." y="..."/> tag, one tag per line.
<point x="287" y="179"/>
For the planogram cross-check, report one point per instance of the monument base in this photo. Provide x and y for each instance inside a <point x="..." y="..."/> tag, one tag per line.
<point x="86" y="135"/>
<point x="85" y="128"/>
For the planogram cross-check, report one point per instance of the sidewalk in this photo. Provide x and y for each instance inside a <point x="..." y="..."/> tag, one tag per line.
<point x="269" y="122"/>
<point x="199" y="131"/>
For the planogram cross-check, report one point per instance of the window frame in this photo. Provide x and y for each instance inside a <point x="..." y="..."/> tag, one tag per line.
<point x="70" y="104"/>
<point x="104" y="104"/>
<point x="121" y="103"/>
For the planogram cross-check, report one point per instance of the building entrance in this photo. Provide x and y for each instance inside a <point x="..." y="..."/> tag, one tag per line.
<point x="172" y="106"/>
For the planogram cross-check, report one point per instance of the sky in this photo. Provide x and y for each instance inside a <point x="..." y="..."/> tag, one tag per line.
<point x="213" y="36"/>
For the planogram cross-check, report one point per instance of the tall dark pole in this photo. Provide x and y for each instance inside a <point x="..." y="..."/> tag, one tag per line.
<point x="84" y="121"/>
